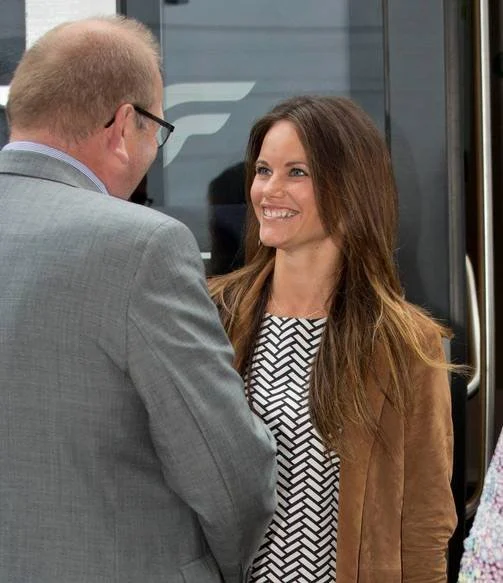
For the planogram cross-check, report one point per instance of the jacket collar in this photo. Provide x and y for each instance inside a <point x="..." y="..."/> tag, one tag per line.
<point x="40" y="166"/>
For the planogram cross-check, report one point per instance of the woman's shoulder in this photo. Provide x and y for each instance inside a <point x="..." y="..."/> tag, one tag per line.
<point x="414" y="352"/>
<point x="430" y="334"/>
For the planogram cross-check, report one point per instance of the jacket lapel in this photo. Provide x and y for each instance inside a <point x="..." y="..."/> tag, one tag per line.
<point x="352" y="486"/>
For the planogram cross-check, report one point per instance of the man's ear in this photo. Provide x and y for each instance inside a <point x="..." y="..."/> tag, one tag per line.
<point x="119" y="131"/>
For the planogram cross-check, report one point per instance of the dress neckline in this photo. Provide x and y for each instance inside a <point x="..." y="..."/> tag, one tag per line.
<point x="286" y="318"/>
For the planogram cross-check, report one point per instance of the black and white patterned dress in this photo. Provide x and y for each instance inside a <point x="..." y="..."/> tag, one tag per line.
<point x="300" y="544"/>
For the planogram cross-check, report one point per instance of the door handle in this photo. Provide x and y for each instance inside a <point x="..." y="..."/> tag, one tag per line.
<point x="474" y="320"/>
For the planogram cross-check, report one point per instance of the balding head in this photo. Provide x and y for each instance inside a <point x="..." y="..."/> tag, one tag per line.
<point x="73" y="79"/>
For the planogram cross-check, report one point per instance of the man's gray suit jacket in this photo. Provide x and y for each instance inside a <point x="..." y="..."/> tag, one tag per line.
<point x="128" y="452"/>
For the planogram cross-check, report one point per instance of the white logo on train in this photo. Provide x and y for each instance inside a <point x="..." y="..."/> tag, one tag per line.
<point x="201" y="123"/>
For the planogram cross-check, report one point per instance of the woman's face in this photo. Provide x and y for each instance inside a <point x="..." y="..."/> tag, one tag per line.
<point x="282" y="193"/>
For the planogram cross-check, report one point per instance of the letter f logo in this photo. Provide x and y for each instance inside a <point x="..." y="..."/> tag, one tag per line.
<point x="201" y="123"/>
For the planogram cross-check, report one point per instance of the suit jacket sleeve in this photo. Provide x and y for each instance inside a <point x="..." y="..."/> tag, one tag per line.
<point x="429" y="515"/>
<point x="216" y="455"/>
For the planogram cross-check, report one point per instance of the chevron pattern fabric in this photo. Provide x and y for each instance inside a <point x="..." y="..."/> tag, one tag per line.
<point x="300" y="544"/>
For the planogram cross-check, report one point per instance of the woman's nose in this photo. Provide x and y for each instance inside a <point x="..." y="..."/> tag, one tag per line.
<point x="274" y="187"/>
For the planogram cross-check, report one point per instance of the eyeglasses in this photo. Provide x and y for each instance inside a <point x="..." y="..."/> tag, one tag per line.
<point x="165" y="128"/>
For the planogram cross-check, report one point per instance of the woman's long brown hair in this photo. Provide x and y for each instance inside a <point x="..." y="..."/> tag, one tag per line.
<point x="368" y="315"/>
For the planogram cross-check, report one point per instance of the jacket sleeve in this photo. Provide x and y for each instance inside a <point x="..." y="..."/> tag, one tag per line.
<point x="429" y="515"/>
<point x="216" y="455"/>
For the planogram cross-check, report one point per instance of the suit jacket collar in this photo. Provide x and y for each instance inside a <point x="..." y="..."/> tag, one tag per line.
<point x="35" y="165"/>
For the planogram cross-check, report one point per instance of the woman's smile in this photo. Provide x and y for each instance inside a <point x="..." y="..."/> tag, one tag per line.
<point x="269" y="212"/>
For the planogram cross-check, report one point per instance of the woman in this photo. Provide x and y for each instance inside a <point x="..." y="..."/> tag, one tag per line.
<point x="349" y="376"/>
<point x="483" y="558"/>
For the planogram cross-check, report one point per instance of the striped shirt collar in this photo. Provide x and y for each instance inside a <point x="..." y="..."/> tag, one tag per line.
<point x="59" y="155"/>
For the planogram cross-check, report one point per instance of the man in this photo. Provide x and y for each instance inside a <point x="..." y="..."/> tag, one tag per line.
<point x="127" y="450"/>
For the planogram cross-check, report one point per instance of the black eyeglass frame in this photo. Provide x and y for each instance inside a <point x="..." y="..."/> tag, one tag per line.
<point x="165" y="124"/>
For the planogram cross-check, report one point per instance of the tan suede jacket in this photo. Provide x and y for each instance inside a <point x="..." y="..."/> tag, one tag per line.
<point x="396" y="510"/>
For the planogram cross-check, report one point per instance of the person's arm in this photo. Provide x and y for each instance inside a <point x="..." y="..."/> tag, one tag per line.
<point x="429" y="515"/>
<point x="216" y="455"/>
<point x="483" y="557"/>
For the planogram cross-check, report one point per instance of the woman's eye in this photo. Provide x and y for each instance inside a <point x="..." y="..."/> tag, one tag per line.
<point x="261" y="170"/>
<point x="297" y="172"/>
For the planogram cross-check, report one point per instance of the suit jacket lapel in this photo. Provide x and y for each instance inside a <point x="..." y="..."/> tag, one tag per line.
<point x="43" y="167"/>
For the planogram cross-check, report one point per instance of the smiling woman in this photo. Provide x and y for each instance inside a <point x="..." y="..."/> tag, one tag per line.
<point x="283" y="198"/>
<point x="350" y="377"/>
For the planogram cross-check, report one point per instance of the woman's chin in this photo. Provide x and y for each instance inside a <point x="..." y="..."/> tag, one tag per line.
<point x="270" y="239"/>
<point x="270" y="242"/>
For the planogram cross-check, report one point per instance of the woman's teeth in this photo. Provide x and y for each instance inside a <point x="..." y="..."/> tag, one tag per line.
<point x="278" y="213"/>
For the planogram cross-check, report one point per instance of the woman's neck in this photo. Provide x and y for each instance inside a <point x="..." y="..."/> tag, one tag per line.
<point x="302" y="285"/>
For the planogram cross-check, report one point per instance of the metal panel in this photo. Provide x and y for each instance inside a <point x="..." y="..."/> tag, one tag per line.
<point x="424" y="126"/>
